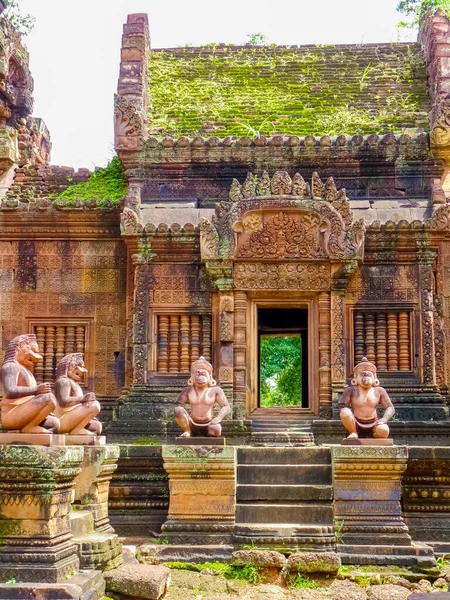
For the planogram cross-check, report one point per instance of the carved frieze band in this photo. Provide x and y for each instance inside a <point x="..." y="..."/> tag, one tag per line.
<point x="337" y="336"/>
<point x="313" y="277"/>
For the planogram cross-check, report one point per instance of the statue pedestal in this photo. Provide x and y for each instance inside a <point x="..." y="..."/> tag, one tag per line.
<point x="33" y="439"/>
<point x="202" y="483"/>
<point x="85" y="440"/>
<point x="99" y="548"/>
<point x="367" y="510"/>
<point x="36" y="489"/>
<point x="367" y="442"/>
<point x="200" y="441"/>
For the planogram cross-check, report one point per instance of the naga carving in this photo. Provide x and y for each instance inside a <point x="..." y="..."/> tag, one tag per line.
<point x="283" y="218"/>
<point x="440" y="134"/>
<point x="128" y="125"/>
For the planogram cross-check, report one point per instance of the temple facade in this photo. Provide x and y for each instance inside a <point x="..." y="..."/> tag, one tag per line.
<point x="323" y="214"/>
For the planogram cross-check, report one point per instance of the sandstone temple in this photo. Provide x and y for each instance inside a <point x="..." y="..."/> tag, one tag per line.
<point x="259" y="191"/>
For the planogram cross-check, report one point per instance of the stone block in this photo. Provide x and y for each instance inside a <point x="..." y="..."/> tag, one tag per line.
<point x="85" y="440"/>
<point x="83" y="586"/>
<point x="366" y="442"/>
<point x="367" y="510"/>
<point x="202" y="494"/>
<point x="138" y="581"/>
<point x="33" y="439"/>
<point x="259" y="558"/>
<point x="314" y="562"/>
<point x="200" y="441"/>
<point x="36" y="488"/>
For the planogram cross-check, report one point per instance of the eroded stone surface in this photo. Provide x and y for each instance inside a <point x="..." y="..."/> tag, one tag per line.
<point x="314" y="562"/>
<point x="387" y="592"/>
<point x="142" y="581"/>
<point x="259" y="558"/>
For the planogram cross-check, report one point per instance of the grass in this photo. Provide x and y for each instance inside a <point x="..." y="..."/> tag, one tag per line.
<point x="247" y="573"/>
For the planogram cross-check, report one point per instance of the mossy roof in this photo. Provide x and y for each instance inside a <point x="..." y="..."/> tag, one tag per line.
<point x="306" y="90"/>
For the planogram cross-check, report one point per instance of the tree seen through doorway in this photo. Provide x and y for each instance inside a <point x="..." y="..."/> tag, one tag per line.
<point x="280" y="370"/>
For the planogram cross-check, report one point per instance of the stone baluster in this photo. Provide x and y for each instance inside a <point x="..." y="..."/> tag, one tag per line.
<point x="359" y="336"/>
<point x="49" y="353"/>
<point x="381" y="341"/>
<point x="195" y="337"/>
<point x="79" y="339"/>
<point x="324" y="351"/>
<point x="370" y="337"/>
<point x="184" y="343"/>
<point x="174" y="344"/>
<point x="392" y="326"/>
<point x="403" y="339"/>
<point x="59" y="342"/>
<point x="70" y="340"/>
<point x="206" y="337"/>
<point x="163" y="343"/>
<point x="39" y="367"/>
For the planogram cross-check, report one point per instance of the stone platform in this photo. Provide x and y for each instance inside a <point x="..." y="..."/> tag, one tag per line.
<point x="367" y="442"/>
<point x="36" y="488"/>
<point x="32" y="439"/>
<point x="83" y="586"/>
<point x="200" y="441"/>
<point x="367" y="510"/>
<point x="202" y="496"/>
<point x="85" y="440"/>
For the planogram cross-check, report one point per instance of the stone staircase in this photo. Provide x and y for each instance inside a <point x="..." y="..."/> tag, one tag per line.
<point x="284" y="499"/>
<point x="287" y="426"/>
<point x="97" y="550"/>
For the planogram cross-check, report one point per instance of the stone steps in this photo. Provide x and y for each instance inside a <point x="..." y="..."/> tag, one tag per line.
<point x="81" y="522"/>
<point x="306" y="513"/>
<point x="288" y="474"/>
<point x="284" y="498"/>
<point x="254" y="493"/>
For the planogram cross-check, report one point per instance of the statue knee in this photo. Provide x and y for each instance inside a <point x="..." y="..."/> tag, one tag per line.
<point x="179" y="411"/>
<point x="381" y="431"/>
<point x="214" y="430"/>
<point x="346" y="413"/>
<point x="94" y="407"/>
<point x="47" y="400"/>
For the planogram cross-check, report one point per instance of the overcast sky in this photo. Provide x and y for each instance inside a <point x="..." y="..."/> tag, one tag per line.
<point x="75" y="46"/>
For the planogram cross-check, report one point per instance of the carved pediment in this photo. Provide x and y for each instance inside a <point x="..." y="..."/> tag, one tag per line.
<point x="283" y="218"/>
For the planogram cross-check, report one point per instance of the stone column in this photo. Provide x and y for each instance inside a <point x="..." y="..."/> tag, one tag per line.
<point x="367" y="509"/>
<point x="143" y="281"/>
<point x="101" y="548"/>
<point x="325" y="397"/>
<point x="36" y="488"/>
<point x="240" y="354"/>
<point x="202" y="487"/>
<point x="226" y="340"/>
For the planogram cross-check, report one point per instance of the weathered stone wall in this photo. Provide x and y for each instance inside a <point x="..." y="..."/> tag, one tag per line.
<point x="68" y="279"/>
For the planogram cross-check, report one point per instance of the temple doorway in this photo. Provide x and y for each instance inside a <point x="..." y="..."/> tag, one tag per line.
<point x="283" y="357"/>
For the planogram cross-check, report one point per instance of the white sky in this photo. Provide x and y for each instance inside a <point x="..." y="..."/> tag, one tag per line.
<point x="75" y="46"/>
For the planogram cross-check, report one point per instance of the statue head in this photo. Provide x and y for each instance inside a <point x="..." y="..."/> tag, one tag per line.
<point x="72" y="366"/>
<point x="201" y="373"/>
<point x="24" y="349"/>
<point x="365" y="374"/>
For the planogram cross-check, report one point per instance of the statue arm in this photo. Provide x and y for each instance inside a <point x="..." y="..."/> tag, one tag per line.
<point x="62" y="393"/>
<point x="389" y="410"/>
<point x="345" y="401"/>
<point x="182" y="398"/>
<point x="13" y="391"/>
<point x="224" y="407"/>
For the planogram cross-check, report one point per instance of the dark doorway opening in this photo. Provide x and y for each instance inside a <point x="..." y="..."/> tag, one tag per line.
<point x="283" y="357"/>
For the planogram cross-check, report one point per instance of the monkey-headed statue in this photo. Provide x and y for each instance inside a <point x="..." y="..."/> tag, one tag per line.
<point x="26" y="406"/>
<point x="76" y="410"/>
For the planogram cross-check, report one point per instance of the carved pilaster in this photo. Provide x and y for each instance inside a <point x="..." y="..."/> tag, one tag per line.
<point x="240" y="341"/>
<point x="140" y="323"/>
<point x="226" y="317"/>
<point x="324" y="350"/>
<point x="427" y="317"/>
<point x="337" y="338"/>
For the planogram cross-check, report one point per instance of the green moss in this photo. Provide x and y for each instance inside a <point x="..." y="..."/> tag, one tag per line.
<point x="247" y="573"/>
<point x="318" y="90"/>
<point x="104" y="184"/>
<point x="304" y="582"/>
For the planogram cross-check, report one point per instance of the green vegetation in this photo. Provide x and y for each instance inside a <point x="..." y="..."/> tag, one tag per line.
<point x="11" y="581"/>
<point x="257" y="39"/>
<point x="280" y="369"/>
<point x="247" y="573"/>
<point x="416" y="9"/>
<point x="262" y="90"/>
<point x="22" y="23"/>
<point x="304" y="582"/>
<point x="104" y="184"/>
<point x="147" y="440"/>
